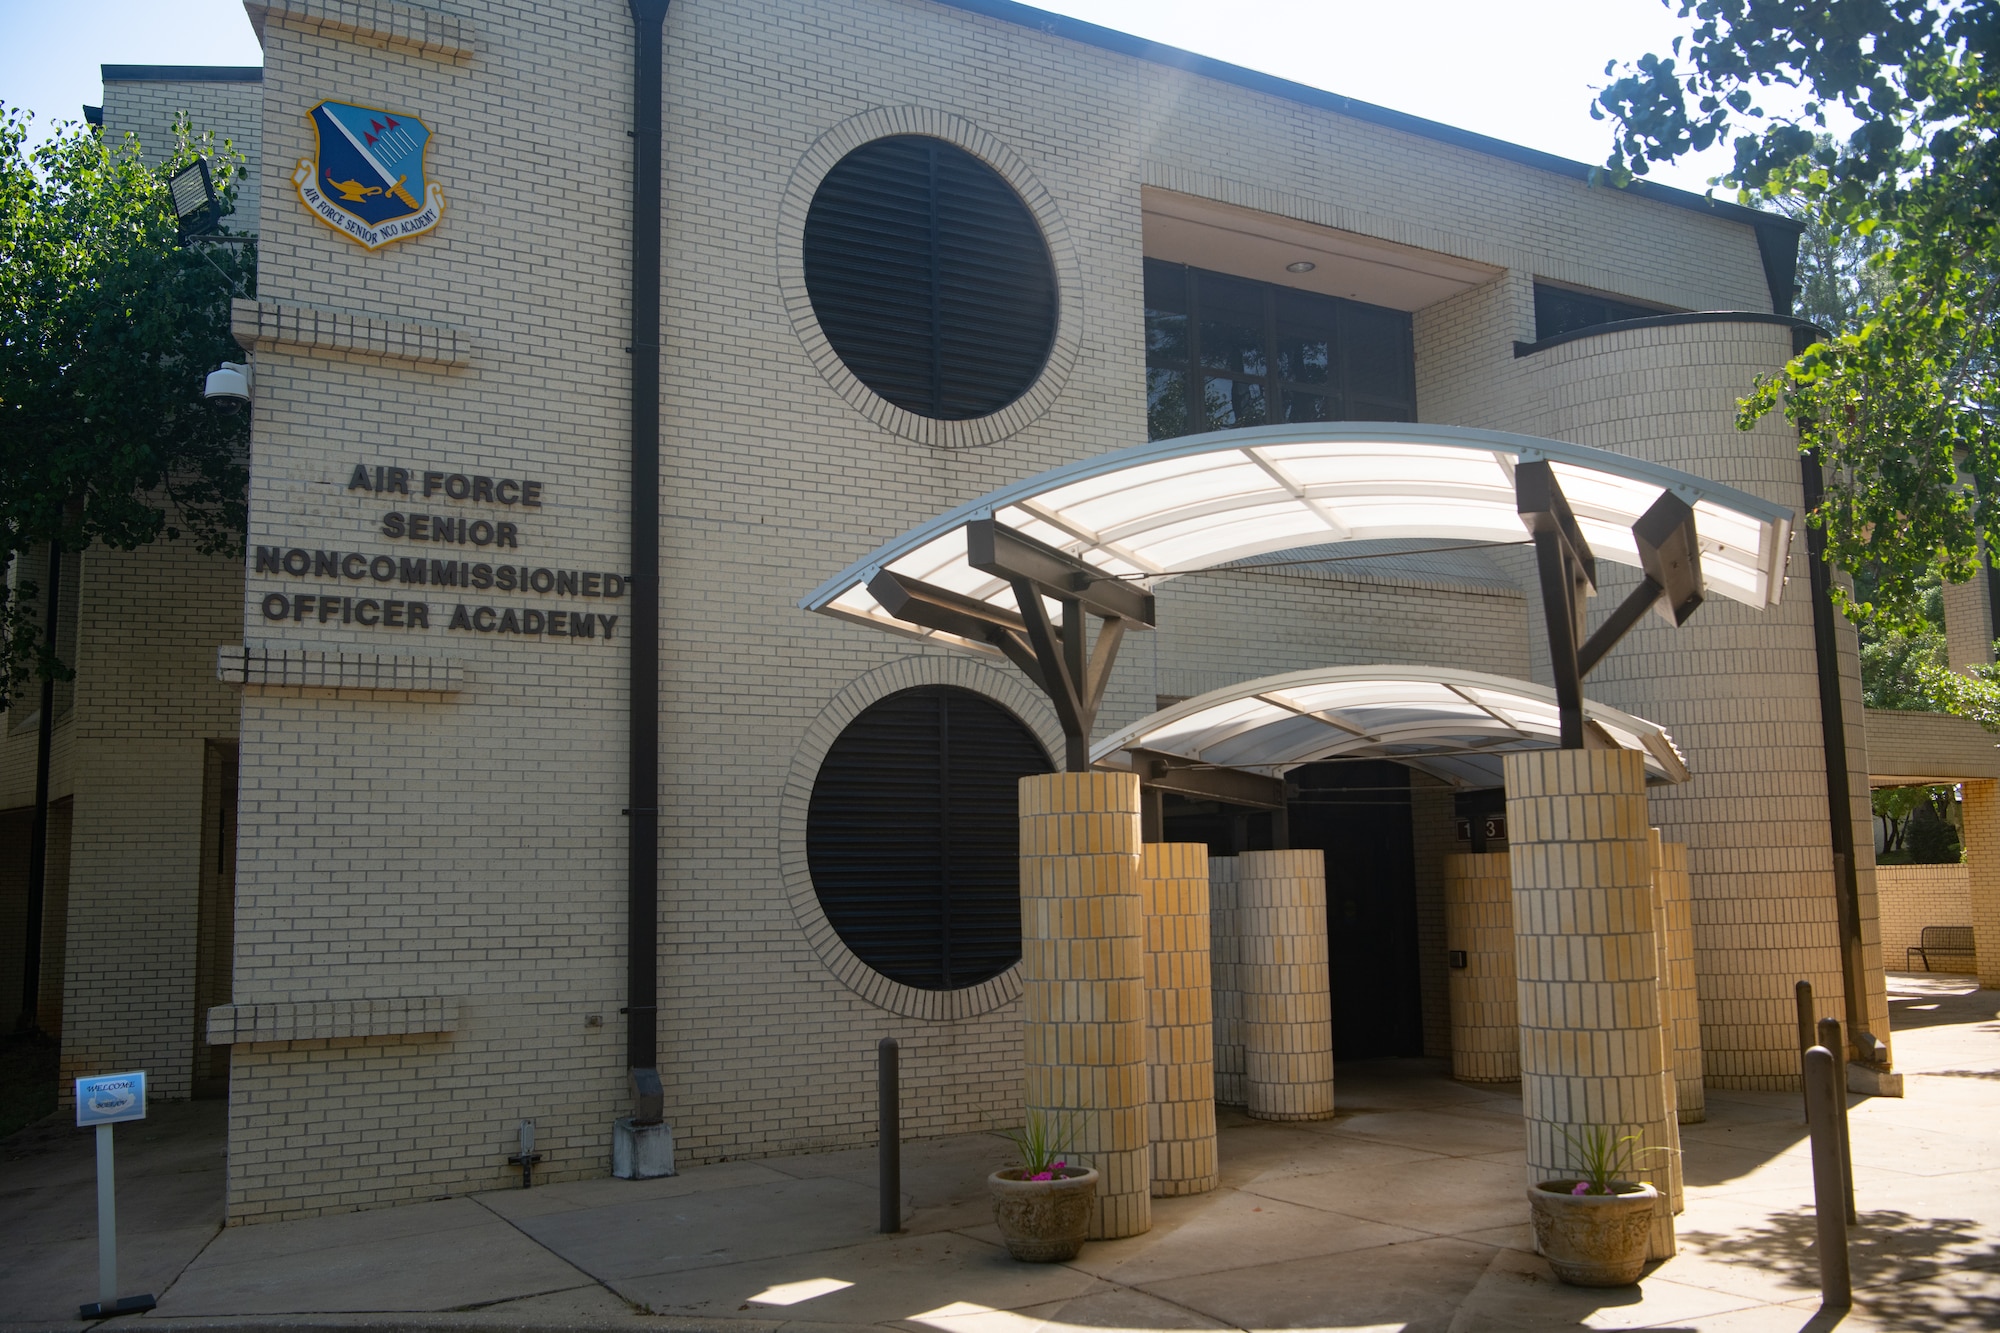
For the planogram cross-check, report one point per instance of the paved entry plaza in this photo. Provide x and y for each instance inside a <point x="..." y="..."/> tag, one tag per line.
<point x="1405" y="1213"/>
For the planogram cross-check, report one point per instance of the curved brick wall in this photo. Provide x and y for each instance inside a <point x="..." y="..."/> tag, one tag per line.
<point x="1737" y="687"/>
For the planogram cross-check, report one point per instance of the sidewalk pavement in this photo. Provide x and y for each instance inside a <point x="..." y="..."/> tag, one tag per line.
<point x="1406" y="1213"/>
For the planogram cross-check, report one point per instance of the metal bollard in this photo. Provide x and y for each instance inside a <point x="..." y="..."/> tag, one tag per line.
<point x="1802" y="1002"/>
<point x="1829" y="1037"/>
<point x="1822" y="1092"/>
<point x="889" y="1135"/>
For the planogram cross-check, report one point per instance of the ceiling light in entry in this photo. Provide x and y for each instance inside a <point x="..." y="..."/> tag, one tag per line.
<point x="1300" y="266"/>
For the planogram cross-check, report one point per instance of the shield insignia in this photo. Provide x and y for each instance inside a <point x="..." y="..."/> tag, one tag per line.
<point x="367" y="180"/>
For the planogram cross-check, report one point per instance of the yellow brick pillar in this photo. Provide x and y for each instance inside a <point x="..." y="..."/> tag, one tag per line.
<point x="1587" y="961"/>
<point x="1228" y="994"/>
<point x="1083" y="970"/>
<point x="1479" y="922"/>
<point x="1281" y="967"/>
<point x="1180" y="1018"/>
<point x="1683" y="1000"/>
<point x="1668" y="1163"/>
<point x="1982" y="867"/>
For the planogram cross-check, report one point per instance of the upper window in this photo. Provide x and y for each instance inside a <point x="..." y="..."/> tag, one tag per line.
<point x="913" y="836"/>
<point x="930" y="278"/>
<point x="1560" y="310"/>
<point x="1224" y="352"/>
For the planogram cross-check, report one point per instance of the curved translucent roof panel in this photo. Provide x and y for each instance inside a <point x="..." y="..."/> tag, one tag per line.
<point x="1455" y="725"/>
<point x="1158" y="510"/>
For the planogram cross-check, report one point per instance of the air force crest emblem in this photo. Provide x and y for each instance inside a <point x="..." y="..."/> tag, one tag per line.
<point x="368" y="181"/>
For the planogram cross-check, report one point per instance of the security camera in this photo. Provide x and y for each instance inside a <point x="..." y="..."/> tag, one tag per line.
<point x="232" y="381"/>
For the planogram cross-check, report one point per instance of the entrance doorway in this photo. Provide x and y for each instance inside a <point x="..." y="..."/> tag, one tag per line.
<point x="1358" y="814"/>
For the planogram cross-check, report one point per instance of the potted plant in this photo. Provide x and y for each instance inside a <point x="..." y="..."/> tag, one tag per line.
<point x="1593" y="1230"/>
<point x="1044" y="1205"/>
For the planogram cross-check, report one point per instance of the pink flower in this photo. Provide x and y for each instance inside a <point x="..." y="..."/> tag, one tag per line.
<point x="1582" y="1187"/>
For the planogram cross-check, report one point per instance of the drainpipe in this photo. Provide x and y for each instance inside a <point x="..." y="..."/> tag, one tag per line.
<point x="642" y="932"/>
<point x="38" y="836"/>
<point x="1833" y="737"/>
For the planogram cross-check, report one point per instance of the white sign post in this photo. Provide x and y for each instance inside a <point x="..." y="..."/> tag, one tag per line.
<point x="104" y="1101"/>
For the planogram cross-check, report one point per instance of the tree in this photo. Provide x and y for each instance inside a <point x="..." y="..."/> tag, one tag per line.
<point x="108" y="327"/>
<point x="1903" y="406"/>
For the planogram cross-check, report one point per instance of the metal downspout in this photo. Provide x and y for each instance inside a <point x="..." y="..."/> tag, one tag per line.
<point x="642" y="941"/>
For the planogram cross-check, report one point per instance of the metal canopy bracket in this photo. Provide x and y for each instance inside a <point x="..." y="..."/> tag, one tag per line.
<point x="1184" y="777"/>
<point x="1669" y="553"/>
<point x="1058" y="658"/>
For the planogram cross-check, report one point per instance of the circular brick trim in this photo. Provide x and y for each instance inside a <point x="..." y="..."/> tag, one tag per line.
<point x="966" y="673"/>
<point x="880" y="123"/>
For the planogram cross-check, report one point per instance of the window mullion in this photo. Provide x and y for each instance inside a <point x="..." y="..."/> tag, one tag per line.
<point x="1197" y="399"/>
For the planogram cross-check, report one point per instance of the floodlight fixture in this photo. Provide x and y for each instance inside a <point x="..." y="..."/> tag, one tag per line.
<point x="196" y="208"/>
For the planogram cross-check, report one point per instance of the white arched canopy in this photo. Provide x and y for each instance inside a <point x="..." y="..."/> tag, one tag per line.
<point x="1154" y="511"/>
<point x="1454" y="725"/>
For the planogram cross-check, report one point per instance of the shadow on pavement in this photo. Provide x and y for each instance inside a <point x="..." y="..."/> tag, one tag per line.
<point x="1923" y="1274"/>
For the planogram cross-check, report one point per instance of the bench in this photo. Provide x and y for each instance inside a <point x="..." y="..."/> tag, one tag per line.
<point x="1952" y="942"/>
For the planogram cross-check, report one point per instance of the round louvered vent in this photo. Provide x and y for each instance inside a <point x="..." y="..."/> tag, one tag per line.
<point x="913" y="836"/>
<point x="930" y="278"/>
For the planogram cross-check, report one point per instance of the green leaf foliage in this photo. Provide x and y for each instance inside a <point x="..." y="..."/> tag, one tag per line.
<point x="108" y="329"/>
<point x="1900" y="401"/>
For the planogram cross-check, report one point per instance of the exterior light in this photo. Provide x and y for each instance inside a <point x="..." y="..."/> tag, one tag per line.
<point x="1301" y="266"/>
<point x="195" y="206"/>
<point x="231" y="381"/>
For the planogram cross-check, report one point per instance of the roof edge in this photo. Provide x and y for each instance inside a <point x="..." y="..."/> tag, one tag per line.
<point x="182" y="73"/>
<point x="1174" y="57"/>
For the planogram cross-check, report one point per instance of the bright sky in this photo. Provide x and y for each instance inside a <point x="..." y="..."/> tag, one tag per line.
<point x="1521" y="70"/>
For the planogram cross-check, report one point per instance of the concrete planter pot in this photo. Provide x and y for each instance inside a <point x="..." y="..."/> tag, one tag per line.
<point x="1043" y="1221"/>
<point x="1593" y="1240"/>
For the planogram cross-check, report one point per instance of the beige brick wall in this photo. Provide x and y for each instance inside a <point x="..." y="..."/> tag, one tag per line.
<point x="1913" y="897"/>
<point x="231" y="111"/>
<point x="147" y="703"/>
<point x="471" y="846"/>
<point x="1485" y="1009"/>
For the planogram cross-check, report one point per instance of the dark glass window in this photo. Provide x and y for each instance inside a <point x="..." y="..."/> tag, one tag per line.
<point x="930" y="278"/>
<point x="1560" y="310"/>
<point x="913" y="836"/>
<point x="1224" y="352"/>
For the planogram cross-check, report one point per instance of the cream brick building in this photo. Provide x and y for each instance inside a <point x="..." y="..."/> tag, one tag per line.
<point x="430" y="825"/>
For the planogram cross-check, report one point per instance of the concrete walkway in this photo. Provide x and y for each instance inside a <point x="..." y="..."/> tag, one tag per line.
<point x="1406" y="1213"/>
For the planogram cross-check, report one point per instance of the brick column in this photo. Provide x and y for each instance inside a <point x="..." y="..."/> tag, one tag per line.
<point x="1281" y="967"/>
<point x="1683" y="1002"/>
<point x="1180" y="1018"/>
<point x="1084" y="981"/>
<point x="1670" y="1162"/>
<point x="1485" y="1013"/>
<point x="1982" y="873"/>
<point x="1588" y="962"/>
<point x="1228" y="1002"/>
